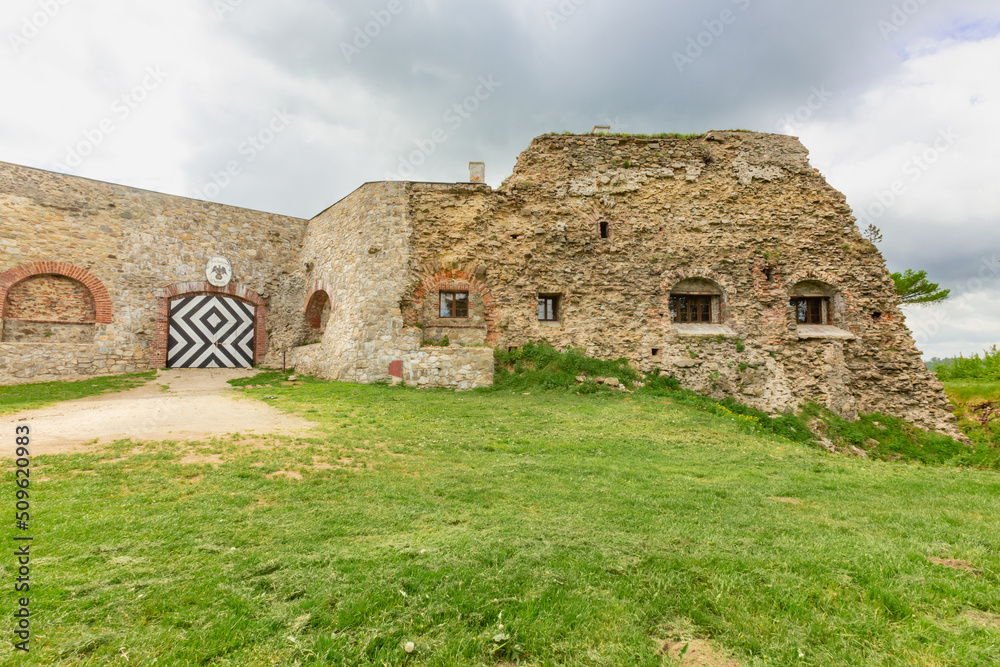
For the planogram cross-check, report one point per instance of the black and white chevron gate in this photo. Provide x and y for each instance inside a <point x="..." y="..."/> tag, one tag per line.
<point x="210" y="332"/>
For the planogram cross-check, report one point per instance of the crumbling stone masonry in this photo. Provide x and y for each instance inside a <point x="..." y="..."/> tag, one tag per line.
<point x="725" y="260"/>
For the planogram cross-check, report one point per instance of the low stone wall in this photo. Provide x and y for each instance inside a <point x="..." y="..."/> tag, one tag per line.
<point x="47" y="362"/>
<point x="458" y="368"/>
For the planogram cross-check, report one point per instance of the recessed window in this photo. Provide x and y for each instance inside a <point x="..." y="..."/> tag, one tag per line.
<point x="656" y="351"/>
<point x="454" y="304"/>
<point x="548" y="308"/>
<point x="877" y="317"/>
<point x="811" y="309"/>
<point x="605" y="230"/>
<point x="691" y="308"/>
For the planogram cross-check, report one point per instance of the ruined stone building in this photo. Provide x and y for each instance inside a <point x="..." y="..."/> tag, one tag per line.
<point x="725" y="260"/>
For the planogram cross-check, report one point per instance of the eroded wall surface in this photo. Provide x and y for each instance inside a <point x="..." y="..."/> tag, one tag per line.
<point x="743" y="210"/>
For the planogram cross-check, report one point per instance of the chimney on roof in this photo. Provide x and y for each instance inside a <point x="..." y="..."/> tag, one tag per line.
<point x="477" y="172"/>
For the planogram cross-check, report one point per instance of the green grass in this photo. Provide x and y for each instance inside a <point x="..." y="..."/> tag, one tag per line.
<point x="19" y="397"/>
<point x="590" y="526"/>
<point x="977" y="410"/>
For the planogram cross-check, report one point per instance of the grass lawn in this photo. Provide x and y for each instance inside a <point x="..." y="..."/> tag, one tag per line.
<point x="494" y="527"/>
<point x="19" y="397"/>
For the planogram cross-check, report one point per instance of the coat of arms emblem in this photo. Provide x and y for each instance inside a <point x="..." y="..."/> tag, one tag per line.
<point x="219" y="272"/>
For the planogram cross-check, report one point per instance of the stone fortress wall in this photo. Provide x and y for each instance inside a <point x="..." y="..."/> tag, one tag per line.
<point x="357" y="253"/>
<point x="742" y="212"/>
<point x="64" y="239"/>
<point x="611" y="230"/>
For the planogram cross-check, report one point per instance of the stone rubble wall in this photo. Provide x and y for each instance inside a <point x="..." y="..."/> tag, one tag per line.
<point x="359" y="248"/>
<point x="459" y="368"/>
<point x="744" y="210"/>
<point x="136" y="243"/>
<point x="31" y="362"/>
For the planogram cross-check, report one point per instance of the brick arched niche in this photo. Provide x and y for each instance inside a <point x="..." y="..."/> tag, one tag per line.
<point x="319" y="307"/>
<point x="424" y="309"/>
<point x="52" y="302"/>
<point x="158" y="348"/>
<point x="696" y="284"/>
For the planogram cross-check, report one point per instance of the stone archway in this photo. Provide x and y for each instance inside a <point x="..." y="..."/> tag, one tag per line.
<point x="159" y="347"/>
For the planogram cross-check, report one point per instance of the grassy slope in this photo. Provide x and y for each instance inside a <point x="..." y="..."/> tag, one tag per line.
<point x="29" y="396"/>
<point x="978" y="410"/>
<point x="587" y="525"/>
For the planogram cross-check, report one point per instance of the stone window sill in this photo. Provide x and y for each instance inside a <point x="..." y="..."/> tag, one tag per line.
<point x="705" y="330"/>
<point x="545" y="323"/>
<point x="829" y="331"/>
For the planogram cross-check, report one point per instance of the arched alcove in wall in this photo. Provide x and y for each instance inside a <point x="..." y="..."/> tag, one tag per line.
<point x="318" y="310"/>
<point x="51" y="302"/>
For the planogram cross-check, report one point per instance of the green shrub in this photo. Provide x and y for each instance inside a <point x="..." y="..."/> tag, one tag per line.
<point x="971" y="368"/>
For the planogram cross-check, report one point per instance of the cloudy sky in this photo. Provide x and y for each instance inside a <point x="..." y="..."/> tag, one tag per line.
<point x="288" y="106"/>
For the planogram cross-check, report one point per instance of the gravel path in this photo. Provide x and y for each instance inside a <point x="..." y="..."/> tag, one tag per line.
<point x="188" y="404"/>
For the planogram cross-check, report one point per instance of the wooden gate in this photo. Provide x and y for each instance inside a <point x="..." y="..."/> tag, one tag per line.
<point x="211" y="332"/>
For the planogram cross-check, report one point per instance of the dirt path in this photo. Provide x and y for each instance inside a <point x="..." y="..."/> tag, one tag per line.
<point x="189" y="404"/>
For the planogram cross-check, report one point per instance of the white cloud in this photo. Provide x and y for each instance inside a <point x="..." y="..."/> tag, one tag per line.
<point x="943" y="217"/>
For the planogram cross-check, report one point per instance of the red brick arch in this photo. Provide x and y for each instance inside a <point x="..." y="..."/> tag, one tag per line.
<point x="456" y="280"/>
<point x="102" y="299"/>
<point x="313" y="313"/>
<point x="158" y="348"/>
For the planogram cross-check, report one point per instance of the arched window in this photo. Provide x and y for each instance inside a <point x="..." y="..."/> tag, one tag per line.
<point x="49" y="307"/>
<point x="696" y="301"/>
<point x="812" y="302"/>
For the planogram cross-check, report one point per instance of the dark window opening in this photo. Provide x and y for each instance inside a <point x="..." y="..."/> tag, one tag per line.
<point x="548" y="308"/>
<point x="454" y="304"/>
<point x="515" y="237"/>
<point x="691" y="309"/>
<point x="769" y="274"/>
<point x="811" y="309"/>
<point x="605" y="230"/>
<point x="877" y="317"/>
<point x="656" y="351"/>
